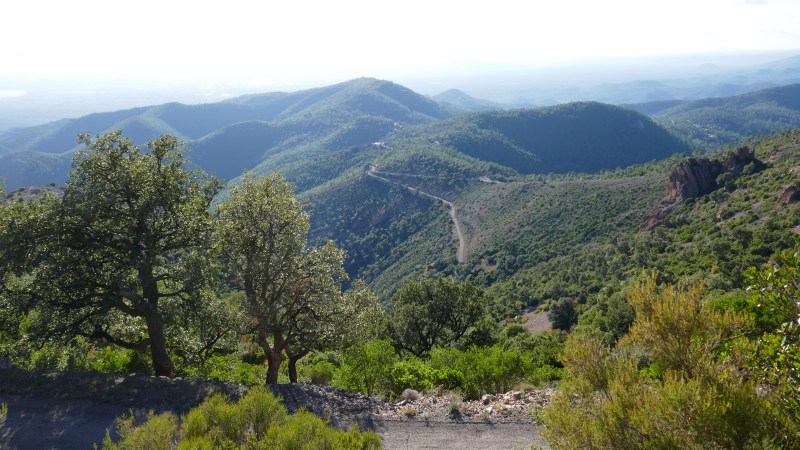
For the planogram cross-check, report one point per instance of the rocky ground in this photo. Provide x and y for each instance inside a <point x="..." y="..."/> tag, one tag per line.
<point x="73" y="410"/>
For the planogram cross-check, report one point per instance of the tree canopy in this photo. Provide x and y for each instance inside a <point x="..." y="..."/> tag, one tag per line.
<point x="434" y="312"/>
<point x="292" y="290"/>
<point x="128" y="239"/>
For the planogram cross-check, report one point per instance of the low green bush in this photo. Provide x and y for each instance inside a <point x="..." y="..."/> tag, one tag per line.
<point x="485" y="370"/>
<point x="319" y="372"/>
<point x="230" y="368"/>
<point x="256" y="421"/>
<point x="416" y="374"/>
<point x="367" y="366"/>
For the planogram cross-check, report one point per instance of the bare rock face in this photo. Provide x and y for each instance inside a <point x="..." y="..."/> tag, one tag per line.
<point x="691" y="179"/>
<point x="790" y="195"/>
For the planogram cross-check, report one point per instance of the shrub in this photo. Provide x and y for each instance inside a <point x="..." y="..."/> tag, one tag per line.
<point x="484" y="370"/>
<point x="562" y="314"/>
<point x="157" y="432"/>
<point x="367" y="367"/>
<point x="230" y="368"/>
<point x="319" y="372"/>
<point x="414" y="375"/>
<point x="692" y="396"/>
<point x="257" y="420"/>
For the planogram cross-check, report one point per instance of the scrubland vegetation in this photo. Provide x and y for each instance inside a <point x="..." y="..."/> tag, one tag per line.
<point x="685" y="336"/>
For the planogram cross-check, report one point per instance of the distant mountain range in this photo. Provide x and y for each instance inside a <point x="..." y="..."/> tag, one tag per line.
<point x="684" y="82"/>
<point x="712" y="122"/>
<point x="268" y="131"/>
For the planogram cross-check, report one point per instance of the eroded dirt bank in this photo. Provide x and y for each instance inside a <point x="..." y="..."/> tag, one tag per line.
<point x="73" y="411"/>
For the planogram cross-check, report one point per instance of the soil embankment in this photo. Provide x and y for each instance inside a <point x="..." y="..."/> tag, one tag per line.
<point x="73" y="411"/>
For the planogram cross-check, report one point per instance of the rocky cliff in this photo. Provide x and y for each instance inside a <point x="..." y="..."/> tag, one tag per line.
<point x="790" y="195"/>
<point x="693" y="178"/>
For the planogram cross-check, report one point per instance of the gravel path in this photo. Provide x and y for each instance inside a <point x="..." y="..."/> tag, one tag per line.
<point x="45" y="423"/>
<point x="454" y="436"/>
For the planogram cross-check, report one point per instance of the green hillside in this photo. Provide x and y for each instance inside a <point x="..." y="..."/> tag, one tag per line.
<point x="711" y="239"/>
<point x="29" y="168"/>
<point x="579" y="137"/>
<point x="543" y="210"/>
<point x="727" y="120"/>
<point x="540" y="238"/>
<point x="232" y="136"/>
<point x="284" y="131"/>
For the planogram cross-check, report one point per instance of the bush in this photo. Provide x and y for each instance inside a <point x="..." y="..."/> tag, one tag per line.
<point x="693" y="395"/>
<point x="367" y="368"/>
<point x="319" y="372"/>
<point x="230" y="368"/>
<point x="158" y="431"/>
<point x="257" y="420"/>
<point x="484" y="370"/>
<point x="562" y="314"/>
<point x="419" y="376"/>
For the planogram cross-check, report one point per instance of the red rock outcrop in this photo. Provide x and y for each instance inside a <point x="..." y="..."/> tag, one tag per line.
<point x="790" y="195"/>
<point x="691" y="179"/>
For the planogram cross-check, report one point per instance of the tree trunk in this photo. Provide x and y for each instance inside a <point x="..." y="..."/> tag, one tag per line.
<point x="162" y="364"/>
<point x="274" y="355"/>
<point x="292" y="361"/>
<point x="293" y="370"/>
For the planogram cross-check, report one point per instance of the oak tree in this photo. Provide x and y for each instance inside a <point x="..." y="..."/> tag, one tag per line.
<point x="292" y="290"/>
<point x="128" y="239"/>
<point x="434" y="312"/>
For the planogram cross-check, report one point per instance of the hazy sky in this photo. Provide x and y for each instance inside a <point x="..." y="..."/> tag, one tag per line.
<point x="265" y="42"/>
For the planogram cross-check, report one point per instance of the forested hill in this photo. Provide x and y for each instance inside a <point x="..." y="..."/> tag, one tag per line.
<point x="574" y="137"/>
<point x="231" y="136"/>
<point x="713" y="122"/>
<point x="462" y="102"/>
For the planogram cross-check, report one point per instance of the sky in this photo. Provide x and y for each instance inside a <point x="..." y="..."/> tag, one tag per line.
<point x="302" y="42"/>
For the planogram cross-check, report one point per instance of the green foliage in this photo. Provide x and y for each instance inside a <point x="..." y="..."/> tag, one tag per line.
<point x="680" y="330"/>
<point x="230" y="367"/>
<point x="158" y="431"/>
<point x="125" y="246"/>
<point x="562" y="314"/>
<point x="608" y="315"/>
<point x="366" y="367"/>
<point x="319" y="372"/>
<point x="484" y="370"/>
<point x="697" y="397"/>
<point x="434" y="312"/>
<point x="293" y="293"/>
<point x="777" y="289"/>
<point x="374" y="367"/>
<point x="540" y="354"/>
<point x="257" y="420"/>
<point x="420" y="376"/>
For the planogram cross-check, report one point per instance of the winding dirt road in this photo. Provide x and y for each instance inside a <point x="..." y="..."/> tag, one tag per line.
<point x="374" y="173"/>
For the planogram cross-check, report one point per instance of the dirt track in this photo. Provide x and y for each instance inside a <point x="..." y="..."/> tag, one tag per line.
<point x="374" y="173"/>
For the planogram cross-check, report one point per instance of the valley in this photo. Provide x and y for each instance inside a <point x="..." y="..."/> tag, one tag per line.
<point x="373" y="172"/>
